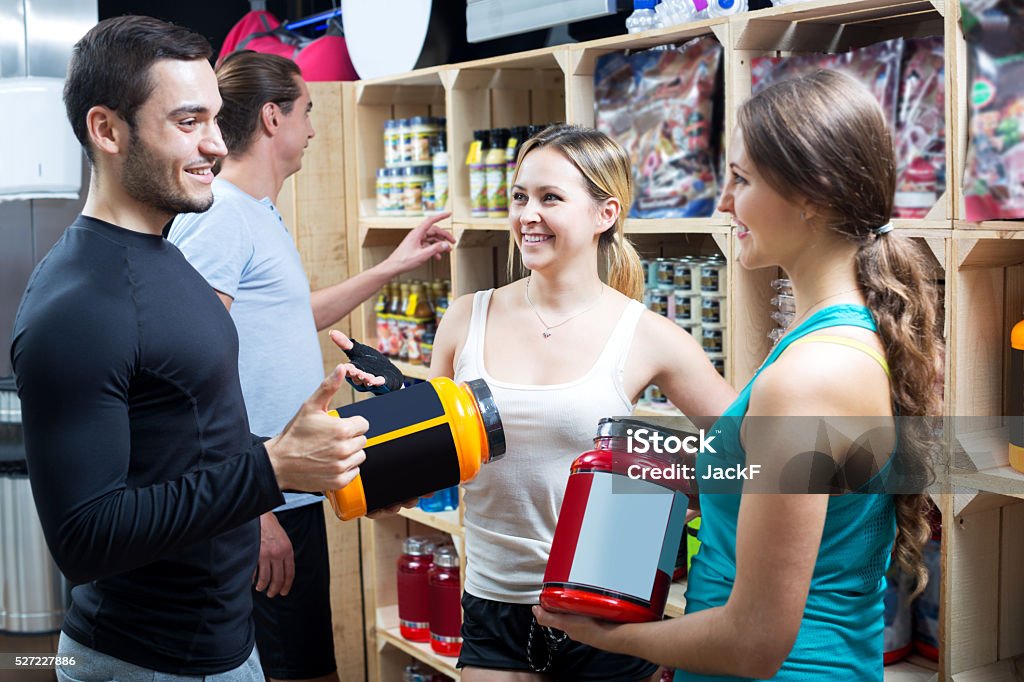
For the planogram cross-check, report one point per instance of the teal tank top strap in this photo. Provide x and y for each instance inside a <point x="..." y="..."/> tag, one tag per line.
<point x="843" y="315"/>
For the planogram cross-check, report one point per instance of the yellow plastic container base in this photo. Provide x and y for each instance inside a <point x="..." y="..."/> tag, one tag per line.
<point x="1017" y="457"/>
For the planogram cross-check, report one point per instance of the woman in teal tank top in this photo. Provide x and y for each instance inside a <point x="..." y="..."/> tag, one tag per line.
<point x="790" y="586"/>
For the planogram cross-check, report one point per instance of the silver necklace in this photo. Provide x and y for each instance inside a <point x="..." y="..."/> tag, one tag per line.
<point x="548" y="327"/>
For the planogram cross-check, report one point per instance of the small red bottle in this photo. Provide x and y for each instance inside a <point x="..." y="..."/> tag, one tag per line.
<point x="413" y="591"/>
<point x="445" y="603"/>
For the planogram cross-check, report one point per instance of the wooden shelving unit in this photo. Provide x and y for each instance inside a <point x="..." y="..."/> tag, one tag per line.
<point x="981" y="264"/>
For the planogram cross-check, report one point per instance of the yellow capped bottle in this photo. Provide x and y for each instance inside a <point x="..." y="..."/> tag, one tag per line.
<point x="1016" y="404"/>
<point x="422" y="439"/>
<point x="380" y="309"/>
<point x="403" y="321"/>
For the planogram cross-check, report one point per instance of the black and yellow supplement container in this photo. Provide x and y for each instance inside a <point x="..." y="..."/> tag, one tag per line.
<point x="422" y="439"/>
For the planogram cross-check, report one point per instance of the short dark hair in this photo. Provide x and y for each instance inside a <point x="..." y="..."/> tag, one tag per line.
<point x="110" y="66"/>
<point x="247" y="80"/>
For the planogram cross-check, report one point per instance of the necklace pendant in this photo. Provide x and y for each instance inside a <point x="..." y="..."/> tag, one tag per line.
<point x="546" y="333"/>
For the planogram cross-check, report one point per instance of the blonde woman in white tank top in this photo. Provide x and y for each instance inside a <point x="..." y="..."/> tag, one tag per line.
<point x="560" y="349"/>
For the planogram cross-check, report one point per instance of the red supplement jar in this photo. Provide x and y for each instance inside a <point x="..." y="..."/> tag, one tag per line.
<point x="624" y="498"/>
<point x="413" y="591"/>
<point x="445" y="602"/>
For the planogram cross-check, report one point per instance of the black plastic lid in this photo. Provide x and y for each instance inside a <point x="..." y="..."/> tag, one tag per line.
<point x="492" y="420"/>
<point x="614" y="427"/>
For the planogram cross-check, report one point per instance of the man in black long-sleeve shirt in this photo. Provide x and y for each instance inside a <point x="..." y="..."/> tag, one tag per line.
<point x="147" y="480"/>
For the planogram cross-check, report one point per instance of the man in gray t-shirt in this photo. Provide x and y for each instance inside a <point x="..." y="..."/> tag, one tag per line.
<point x="243" y="249"/>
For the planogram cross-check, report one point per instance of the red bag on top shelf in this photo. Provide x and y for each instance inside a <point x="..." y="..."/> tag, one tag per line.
<point x="921" y="129"/>
<point x="659" y="106"/>
<point x="876" y="66"/>
<point x="994" y="177"/>
<point x="674" y="163"/>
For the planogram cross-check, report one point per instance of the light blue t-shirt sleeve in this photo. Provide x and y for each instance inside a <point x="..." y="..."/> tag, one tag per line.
<point x="217" y="243"/>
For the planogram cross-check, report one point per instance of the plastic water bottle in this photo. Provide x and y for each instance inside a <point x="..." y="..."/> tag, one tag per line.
<point x="643" y="17"/>
<point x="724" y="8"/>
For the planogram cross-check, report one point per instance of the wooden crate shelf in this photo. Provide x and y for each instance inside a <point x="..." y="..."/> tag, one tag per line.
<point x="449" y="522"/>
<point x="982" y="265"/>
<point x="984" y="602"/>
<point x="421" y="651"/>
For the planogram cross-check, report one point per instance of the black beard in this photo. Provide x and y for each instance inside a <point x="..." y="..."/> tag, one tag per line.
<point x="143" y="179"/>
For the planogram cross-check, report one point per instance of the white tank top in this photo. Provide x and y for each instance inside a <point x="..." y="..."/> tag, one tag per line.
<point x="512" y="506"/>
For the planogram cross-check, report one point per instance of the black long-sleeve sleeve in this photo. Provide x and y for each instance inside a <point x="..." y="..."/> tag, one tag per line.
<point x="147" y="480"/>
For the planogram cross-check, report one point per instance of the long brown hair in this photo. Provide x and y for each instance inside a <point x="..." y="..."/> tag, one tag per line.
<point x="607" y="173"/>
<point x="823" y="137"/>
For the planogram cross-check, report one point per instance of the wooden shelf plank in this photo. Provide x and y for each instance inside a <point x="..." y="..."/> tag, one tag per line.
<point x="913" y="669"/>
<point x="994" y="672"/>
<point x="421" y="651"/>
<point x="396" y="222"/>
<point x="676" y="604"/>
<point x="412" y="371"/>
<point x="445" y="521"/>
<point x="986" y="452"/>
<point x="712" y="225"/>
<point x="498" y="224"/>
<point x="987" y="230"/>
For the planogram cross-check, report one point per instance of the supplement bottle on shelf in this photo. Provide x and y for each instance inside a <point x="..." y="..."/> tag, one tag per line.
<point x="394" y="314"/>
<point x="478" y="174"/>
<point x="445" y="603"/>
<point x="403" y="322"/>
<point x="413" y="591"/>
<point x="405" y="142"/>
<point x="494" y="165"/>
<point x="423" y="132"/>
<point x="396" y="206"/>
<point x="421" y="318"/>
<point x="383" y="192"/>
<point x="380" y="310"/>
<point x="415" y="179"/>
<point x="440" y="169"/>
<point x="515" y="139"/>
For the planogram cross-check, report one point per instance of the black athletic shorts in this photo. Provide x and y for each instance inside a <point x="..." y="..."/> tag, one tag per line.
<point x="495" y="635"/>
<point x="294" y="633"/>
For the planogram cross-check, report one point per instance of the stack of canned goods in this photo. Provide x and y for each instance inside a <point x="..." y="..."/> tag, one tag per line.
<point x="691" y="291"/>
<point x="785" y="305"/>
<point x="406" y="184"/>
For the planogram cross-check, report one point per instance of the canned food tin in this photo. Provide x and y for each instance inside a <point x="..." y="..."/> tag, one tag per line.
<point x="682" y="275"/>
<point x="713" y="277"/>
<point x="646" y="263"/>
<point x="686" y="306"/>
<point x="652" y="273"/>
<point x="713" y="310"/>
<point x="658" y="300"/>
<point x="713" y="339"/>
<point x="665" y="271"/>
